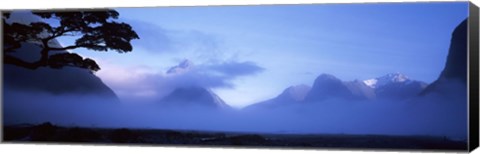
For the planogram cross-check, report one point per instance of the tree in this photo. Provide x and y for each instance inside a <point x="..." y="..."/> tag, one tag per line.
<point x="95" y="30"/>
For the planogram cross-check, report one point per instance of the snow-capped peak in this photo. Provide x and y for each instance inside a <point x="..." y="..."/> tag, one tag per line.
<point x="395" y="77"/>
<point x="183" y="66"/>
<point x="383" y="80"/>
<point x="370" y="82"/>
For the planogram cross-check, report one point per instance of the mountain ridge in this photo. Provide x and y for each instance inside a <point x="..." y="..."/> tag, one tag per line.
<point x="393" y="86"/>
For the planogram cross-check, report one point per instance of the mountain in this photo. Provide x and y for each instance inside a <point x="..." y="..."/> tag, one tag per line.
<point x="190" y="95"/>
<point x="455" y="70"/>
<point x="327" y="86"/>
<point x="386" y="79"/>
<point x="361" y="89"/>
<point x="291" y="95"/>
<point x="193" y="96"/>
<point x="67" y="80"/>
<point x="395" y="86"/>
<point x="184" y="66"/>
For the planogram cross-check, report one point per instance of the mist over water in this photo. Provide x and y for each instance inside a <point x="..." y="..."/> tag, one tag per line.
<point x="435" y="114"/>
<point x="442" y="113"/>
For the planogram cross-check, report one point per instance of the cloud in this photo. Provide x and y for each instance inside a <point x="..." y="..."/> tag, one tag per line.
<point x="157" y="39"/>
<point x="214" y="75"/>
<point x="132" y="83"/>
<point x="152" y="37"/>
<point x="234" y="69"/>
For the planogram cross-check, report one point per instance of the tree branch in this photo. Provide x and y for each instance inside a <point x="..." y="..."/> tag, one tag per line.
<point x="78" y="46"/>
<point x="95" y="30"/>
<point x="65" y="48"/>
<point x="16" y="61"/>
<point x="59" y="31"/>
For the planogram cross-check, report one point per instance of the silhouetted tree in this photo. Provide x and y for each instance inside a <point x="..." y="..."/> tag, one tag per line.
<point x="96" y="30"/>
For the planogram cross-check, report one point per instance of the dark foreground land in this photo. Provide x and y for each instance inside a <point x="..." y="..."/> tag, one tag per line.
<point x="48" y="133"/>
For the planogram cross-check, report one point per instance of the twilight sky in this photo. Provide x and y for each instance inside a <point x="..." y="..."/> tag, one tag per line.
<point x="247" y="54"/>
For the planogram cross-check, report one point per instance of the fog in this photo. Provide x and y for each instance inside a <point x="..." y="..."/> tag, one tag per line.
<point x="439" y="114"/>
<point x="435" y="114"/>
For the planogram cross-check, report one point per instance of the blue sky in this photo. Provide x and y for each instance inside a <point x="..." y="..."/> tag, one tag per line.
<point x="252" y="53"/>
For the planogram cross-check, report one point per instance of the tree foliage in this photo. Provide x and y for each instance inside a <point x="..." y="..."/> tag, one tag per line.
<point x="95" y="30"/>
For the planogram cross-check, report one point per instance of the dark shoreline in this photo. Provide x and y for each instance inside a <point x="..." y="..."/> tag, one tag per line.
<point x="48" y="133"/>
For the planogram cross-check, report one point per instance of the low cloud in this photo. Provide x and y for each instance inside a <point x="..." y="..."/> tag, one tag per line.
<point x="132" y="83"/>
<point x="217" y="75"/>
<point x="234" y="69"/>
<point x="437" y="115"/>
